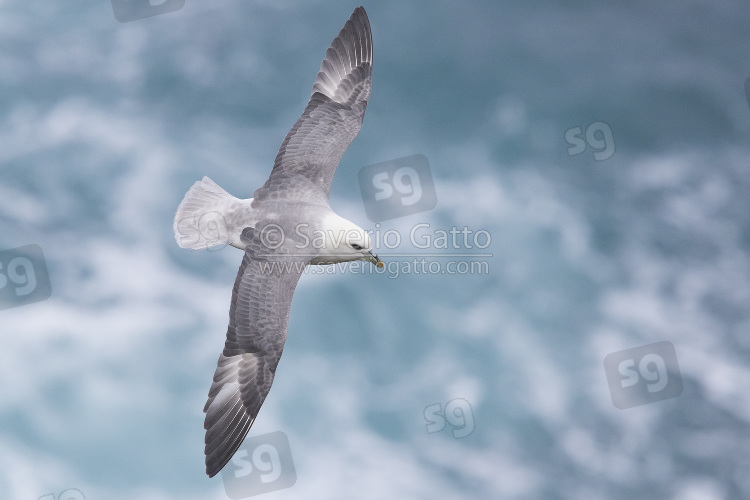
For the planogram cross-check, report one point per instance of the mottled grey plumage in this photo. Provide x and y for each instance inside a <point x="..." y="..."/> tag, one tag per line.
<point x="296" y="192"/>
<point x="333" y="117"/>
<point x="258" y="318"/>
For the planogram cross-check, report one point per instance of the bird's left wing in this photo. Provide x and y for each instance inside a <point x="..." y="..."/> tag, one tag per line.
<point x="313" y="148"/>
<point x="258" y="319"/>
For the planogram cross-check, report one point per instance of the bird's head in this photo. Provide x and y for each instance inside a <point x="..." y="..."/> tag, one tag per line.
<point x="341" y="240"/>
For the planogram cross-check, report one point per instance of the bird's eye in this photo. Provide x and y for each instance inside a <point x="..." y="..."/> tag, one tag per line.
<point x="356" y="247"/>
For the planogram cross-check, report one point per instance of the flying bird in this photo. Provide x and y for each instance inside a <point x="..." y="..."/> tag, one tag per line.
<point x="287" y="225"/>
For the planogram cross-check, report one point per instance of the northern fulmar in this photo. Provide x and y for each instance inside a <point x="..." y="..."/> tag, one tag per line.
<point x="287" y="225"/>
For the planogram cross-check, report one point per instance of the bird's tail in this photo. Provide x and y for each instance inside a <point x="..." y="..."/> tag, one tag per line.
<point x="207" y="216"/>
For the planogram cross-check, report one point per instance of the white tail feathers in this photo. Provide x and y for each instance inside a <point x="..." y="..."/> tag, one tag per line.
<point x="208" y="217"/>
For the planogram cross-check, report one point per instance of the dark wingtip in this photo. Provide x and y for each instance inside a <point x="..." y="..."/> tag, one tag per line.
<point x="360" y="12"/>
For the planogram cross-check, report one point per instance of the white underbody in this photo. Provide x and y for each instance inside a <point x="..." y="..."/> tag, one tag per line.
<point x="208" y="217"/>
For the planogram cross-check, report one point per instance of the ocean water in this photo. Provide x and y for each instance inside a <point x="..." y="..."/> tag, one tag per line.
<point x="599" y="152"/>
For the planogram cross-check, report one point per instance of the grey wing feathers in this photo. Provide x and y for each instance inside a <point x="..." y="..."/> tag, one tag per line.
<point x="258" y="319"/>
<point x="333" y="117"/>
<point x="345" y="70"/>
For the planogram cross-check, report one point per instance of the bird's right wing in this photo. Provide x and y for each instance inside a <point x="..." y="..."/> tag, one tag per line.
<point x="258" y="319"/>
<point x="313" y="148"/>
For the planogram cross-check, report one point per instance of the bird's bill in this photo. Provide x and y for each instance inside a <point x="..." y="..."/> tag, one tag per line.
<point x="374" y="259"/>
